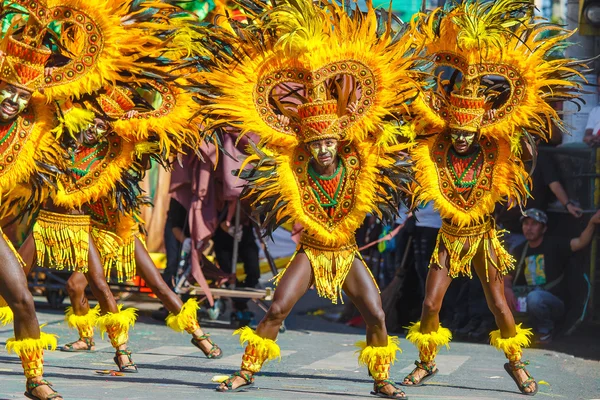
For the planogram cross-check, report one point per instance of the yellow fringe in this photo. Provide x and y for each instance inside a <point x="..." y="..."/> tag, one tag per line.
<point x="455" y="240"/>
<point x="378" y="359"/>
<point x="83" y="323"/>
<point x="258" y="349"/>
<point x="512" y="346"/>
<point x="117" y="253"/>
<point x="187" y="319"/>
<point x="17" y="255"/>
<point x="26" y="347"/>
<point x="6" y="314"/>
<point x="428" y="343"/>
<point x="117" y="325"/>
<point x="62" y="241"/>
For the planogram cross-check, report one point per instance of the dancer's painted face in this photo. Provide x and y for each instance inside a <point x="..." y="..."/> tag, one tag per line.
<point x="324" y="151"/>
<point x="13" y="101"/>
<point x="462" y="140"/>
<point x="95" y="132"/>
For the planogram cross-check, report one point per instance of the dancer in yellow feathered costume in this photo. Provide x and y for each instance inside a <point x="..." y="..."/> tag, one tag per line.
<point x="26" y="147"/>
<point x="470" y="135"/>
<point x="317" y="83"/>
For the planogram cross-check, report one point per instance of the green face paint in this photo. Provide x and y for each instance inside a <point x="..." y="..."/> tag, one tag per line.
<point x="462" y="140"/>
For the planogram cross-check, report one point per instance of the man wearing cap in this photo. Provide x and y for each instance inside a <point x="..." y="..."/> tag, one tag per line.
<point x="539" y="274"/>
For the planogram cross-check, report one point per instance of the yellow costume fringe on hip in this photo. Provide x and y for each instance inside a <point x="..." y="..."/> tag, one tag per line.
<point x="117" y="253"/>
<point x="475" y="237"/>
<point x="62" y="241"/>
<point x="31" y="352"/>
<point x="330" y="266"/>
<point x="257" y="351"/>
<point x="378" y="358"/>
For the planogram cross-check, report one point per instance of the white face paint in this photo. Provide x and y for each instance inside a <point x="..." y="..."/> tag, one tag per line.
<point x="13" y="101"/>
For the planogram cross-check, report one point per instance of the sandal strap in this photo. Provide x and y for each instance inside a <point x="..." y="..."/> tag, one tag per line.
<point x="124" y="353"/>
<point x="31" y="385"/>
<point x="381" y="384"/>
<point x="519" y="365"/>
<point x="527" y="382"/>
<point x="425" y="367"/>
<point x="249" y="378"/>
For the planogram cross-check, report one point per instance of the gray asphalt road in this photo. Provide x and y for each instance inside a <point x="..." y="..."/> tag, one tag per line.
<point x="318" y="362"/>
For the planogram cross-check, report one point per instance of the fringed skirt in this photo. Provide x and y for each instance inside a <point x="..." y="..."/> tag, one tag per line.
<point x="330" y="266"/>
<point x="62" y="241"/>
<point x="464" y="243"/>
<point x="117" y="252"/>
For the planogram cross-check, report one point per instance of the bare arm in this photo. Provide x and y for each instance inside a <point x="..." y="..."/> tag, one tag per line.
<point x="561" y="195"/>
<point x="179" y="235"/>
<point x="586" y="236"/>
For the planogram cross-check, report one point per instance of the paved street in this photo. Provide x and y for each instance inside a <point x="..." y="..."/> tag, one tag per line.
<point x="318" y="362"/>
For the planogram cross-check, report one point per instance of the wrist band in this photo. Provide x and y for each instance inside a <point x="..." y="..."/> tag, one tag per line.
<point x="567" y="204"/>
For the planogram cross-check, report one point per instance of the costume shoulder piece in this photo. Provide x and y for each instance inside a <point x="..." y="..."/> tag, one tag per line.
<point x="22" y="141"/>
<point x="466" y="189"/>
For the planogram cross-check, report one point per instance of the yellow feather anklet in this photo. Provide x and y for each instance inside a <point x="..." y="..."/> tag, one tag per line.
<point x="378" y="359"/>
<point x="512" y="346"/>
<point x="428" y="343"/>
<point x="83" y="323"/>
<point x="117" y="325"/>
<point x="257" y="351"/>
<point x="6" y="315"/>
<point x="187" y="319"/>
<point x="31" y="352"/>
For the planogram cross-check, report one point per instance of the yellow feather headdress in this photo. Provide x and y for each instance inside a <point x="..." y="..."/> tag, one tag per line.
<point x="301" y="53"/>
<point x="502" y="53"/>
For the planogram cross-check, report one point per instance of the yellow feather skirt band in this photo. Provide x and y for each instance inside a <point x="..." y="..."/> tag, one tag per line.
<point x="117" y="253"/>
<point x="378" y="359"/>
<point x="83" y="323"/>
<point x="187" y="319"/>
<point x="428" y="343"/>
<point x="62" y="241"/>
<point x="330" y="266"/>
<point x="481" y="236"/>
<point x="512" y="346"/>
<point x="257" y="351"/>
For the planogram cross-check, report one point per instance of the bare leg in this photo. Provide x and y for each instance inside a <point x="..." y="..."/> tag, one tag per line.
<point x="436" y="286"/>
<point x="27" y="253"/>
<point x="361" y="289"/>
<point x="147" y="270"/>
<point x="494" y="295"/>
<point x="13" y="288"/>
<point x="101" y="291"/>
<point x="76" y="289"/>
<point x="294" y="283"/>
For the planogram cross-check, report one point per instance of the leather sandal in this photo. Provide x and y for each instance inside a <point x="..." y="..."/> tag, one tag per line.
<point x="31" y="386"/>
<point x="420" y="365"/>
<point x="229" y="382"/>
<point x="88" y="341"/>
<point x="214" y="353"/>
<point x="378" y="385"/>
<point x="512" y="368"/>
<point x="125" y="367"/>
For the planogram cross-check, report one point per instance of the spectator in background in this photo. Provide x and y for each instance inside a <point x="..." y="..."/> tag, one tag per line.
<point x="536" y="286"/>
<point x="177" y="227"/>
<point x="545" y="183"/>
<point x="591" y="135"/>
